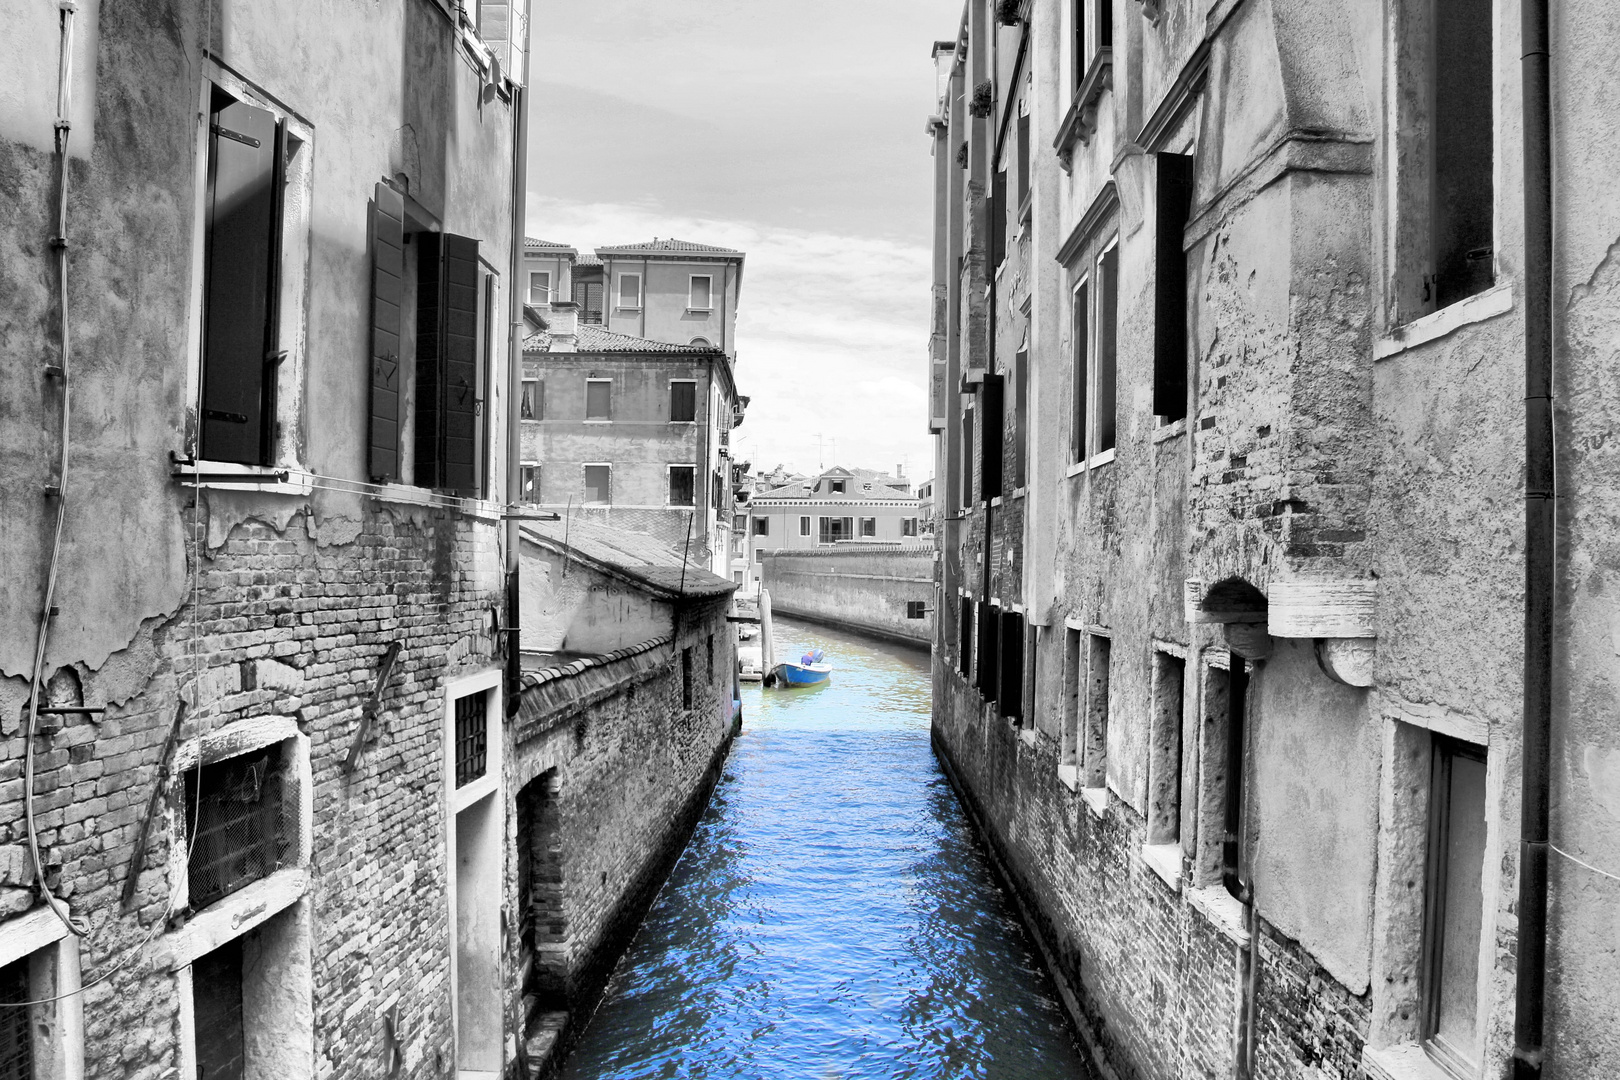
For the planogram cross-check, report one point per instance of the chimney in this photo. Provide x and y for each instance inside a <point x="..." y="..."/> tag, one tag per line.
<point x="565" y="326"/>
<point x="900" y="471"/>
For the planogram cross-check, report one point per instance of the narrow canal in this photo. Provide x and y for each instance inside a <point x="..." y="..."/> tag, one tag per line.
<point x="832" y="917"/>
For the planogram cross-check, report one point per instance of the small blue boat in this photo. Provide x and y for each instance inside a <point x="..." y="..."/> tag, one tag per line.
<point x="810" y="670"/>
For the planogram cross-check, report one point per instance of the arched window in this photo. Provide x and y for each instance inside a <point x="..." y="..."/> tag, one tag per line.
<point x="705" y="342"/>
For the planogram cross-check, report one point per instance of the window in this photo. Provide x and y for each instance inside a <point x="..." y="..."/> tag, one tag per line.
<point x="529" y="483"/>
<point x="1023" y="162"/>
<point x="701" y="293"/>
<point x="1094" y="751"/>
<point x="762" y="526"/>
<point x="682" y="485"/>
<point x="988" y="634"/>
<point x="702" y="341"/>
<point x="599" y="399"/>
<point x="242" y="230"/>
<point x="997" y="208"/>
<point x="1074" y="676"/>
<point x="39" y="1040"/>
<point x="916" y="609"/>
<point x="1173" y="207"/>
<point x="1105" y="23"/>
<point x="1081" y="57"/>
<point x="534" y="399"/>
<point x="686" y="678"/>
<point x="16" y="1033"/>
<point x="1164" y="765"/>
<point x="965" y="450"/>
<point x="804" y="525"/>
<point x="1080" y="370"/>
<point x="1224" y="749"/>
<point x="1454" y="903"/>
<point x="588" y="295"/>
<point x="992" y="395"/>
<point x="908" y="526"/>
<point x="598" y="484"/>
<point x="454" y="303"/>
<point x="682" y="401"/>
<point x="1107" y="329"/>
<point x="759" y="555"/>
<point x="246" y="813"/>
<point x="630" y="292"/>
<point x="869" y="526"/>
<point x="1020" y="418"/>
<point x="964" y="656"/>
<point x="539" y="287"/>
<point x="1011" y="680"/>
<point x="834" y="529"/>
<point x="737" y="576"/>
<point x="836" y="487"/>
<point x="472" y="737"/>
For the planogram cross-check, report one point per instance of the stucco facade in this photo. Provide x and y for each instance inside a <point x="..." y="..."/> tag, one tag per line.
<point x="1231" y="491"/>
<point x="837" y="506"/>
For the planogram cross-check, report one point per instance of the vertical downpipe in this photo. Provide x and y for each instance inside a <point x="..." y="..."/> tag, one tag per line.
<point x="514" y="382"/>
<point x="1539" y="542"/>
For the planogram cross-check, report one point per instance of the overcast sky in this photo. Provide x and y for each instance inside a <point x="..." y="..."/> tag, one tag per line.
<point x="790" y="130"/>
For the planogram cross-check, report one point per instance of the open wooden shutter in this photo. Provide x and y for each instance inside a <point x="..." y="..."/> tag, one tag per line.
<point x="1174" y="197"/>
<point x="387" y="271"/>
<point x="1012" y="665"/>
<point x="241" y="274"/>
<point x="447" y="363"/>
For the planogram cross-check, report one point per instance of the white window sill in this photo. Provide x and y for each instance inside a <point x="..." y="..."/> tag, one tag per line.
<point x="1497" y="300"/>
<point x="1074" y="470"/>
<point x="1029" y="736"/>
<point x="1100" y="459"/>
<point x="621" y="310"/>
<point x="700" y="311"/>
<point x="683" y="421"/>
<point x="1018" y="493"/>
<point x="591" y="420"/>
<point x="1069" y="776"/>
<point x="1403" y="1061"/>
<point x="996" y="501"/>
<point x="232" y="916"/>
<point x="1170" y="431"/>
<point x="1221" y="909"/>
<point x="472" y="791"/>
<point x="1164" y="860"/>
<point x="229" y="476"/>
<point x="1096" y="799"/>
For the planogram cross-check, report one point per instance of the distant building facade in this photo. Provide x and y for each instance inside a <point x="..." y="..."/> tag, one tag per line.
<point x="630" y="432"/>
<point x="1249" y="655"/>
<point x="836" y="506"/>
<point x="674" y="291"/>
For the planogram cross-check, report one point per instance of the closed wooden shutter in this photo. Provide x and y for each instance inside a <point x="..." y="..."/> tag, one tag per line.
<point x="1012" y="665"/>
<point x="447" y="363"/>
<point x="238" y="331"/>
<point x="387" y="272"/>
<point x="998" y="219"/>
<point x="1174" y="197"/>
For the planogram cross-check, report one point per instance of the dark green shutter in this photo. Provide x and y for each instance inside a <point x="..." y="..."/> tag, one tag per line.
<point x="1174" y="198"/>
<point x="447" y="363"/>
<point x="238" y="335"/>
<point x="387" y="273"/>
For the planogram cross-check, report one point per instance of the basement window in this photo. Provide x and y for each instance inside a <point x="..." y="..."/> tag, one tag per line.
<point x="245" y="810"/>
<point x="472" y="737"/>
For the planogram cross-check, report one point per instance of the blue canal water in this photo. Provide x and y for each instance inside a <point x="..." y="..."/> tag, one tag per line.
<point x="832" y="917"/>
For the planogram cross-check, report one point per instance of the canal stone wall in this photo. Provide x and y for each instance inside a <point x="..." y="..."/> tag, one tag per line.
<point x="614" y="761"/>
<point x="862" y="586"/>
<point x="1151" y="973"/>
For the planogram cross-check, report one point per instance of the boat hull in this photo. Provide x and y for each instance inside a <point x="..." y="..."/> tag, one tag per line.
<point x="802" y="674"/>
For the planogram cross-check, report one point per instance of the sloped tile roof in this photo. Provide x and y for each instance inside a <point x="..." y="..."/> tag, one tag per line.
<point x="667" y="245"/>
<point x="592" y="338"/>
<point x="533" y="242"/>
<point x="634" y="555"/>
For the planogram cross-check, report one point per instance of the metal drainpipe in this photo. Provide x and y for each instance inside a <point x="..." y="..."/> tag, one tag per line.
<point x="514" y="385"/>
<point x="1539" y="542"/>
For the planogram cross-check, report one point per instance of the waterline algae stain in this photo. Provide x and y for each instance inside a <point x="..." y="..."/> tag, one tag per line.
<point x="832" y="916"/>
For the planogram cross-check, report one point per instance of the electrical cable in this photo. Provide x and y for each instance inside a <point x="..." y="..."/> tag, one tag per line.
<point x="76" y="925"/>
<point x="1581" y="862"/>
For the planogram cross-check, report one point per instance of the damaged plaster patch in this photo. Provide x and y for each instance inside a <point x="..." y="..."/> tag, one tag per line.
<point x="229" y="509"/>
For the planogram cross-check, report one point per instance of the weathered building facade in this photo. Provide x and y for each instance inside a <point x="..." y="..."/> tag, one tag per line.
<point x="836" y="506"/>
<point x="1237" y="308"/>
<point x="254" y="681"/>
<point x="879" y="589"/>
<point x="630" y="432"/>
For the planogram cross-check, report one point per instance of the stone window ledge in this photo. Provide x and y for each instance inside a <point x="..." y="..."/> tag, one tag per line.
<point x="1029" y="736"/>
<point x="1164" y="860"/>
<point x="1222" y="910"/>
<point x="1497" y="300"/>
<point x="233" y="916"/>
<point x="1096" y="798"/>
<point x="1075" y="470"/>
<point x="1069" y="776"/>
<point x="1170" y="431"/>
<point x="1403" y="1061"/>
<point x="229" y="476"/>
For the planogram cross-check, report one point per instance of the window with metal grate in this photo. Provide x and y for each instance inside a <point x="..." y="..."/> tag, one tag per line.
<point x="16" y="1044"/>
<point x="246" y="810"/>
<point x="472" y="738"/>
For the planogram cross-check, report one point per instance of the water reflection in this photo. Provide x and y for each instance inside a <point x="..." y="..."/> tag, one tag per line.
<point x="831" y="917"/>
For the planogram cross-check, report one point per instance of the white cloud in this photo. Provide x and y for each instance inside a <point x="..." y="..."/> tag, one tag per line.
<point x="832" y="332"/>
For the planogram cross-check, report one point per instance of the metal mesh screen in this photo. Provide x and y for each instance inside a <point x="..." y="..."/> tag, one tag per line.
<point x="472" y="738"/>
<point x="16" y="1046"/>
<point x="246" y="814"/>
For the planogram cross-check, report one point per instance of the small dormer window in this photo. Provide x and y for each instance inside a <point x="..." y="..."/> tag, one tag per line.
<point x="837" y="486"/>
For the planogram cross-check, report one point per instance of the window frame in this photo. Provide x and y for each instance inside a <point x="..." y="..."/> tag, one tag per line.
<point x="804" y="525"/>
<point x="669" y="485"/>
<point x="546" y="288"/>
<point x="865" y="532"/>
<point x="529" y="478"/>
<point x="532" y="405"/>
<point x="691" y="292"/>
<point x="759" y="526"/>
<point x="1097" y="717"/>
<point x="621" y="304"/>
<point x="673" y="383"/>
<point x="1444" y="751"/>
<point x="39" y="939"/>
<point x="1087" y="397"/>
<point x="585" y="480"/>
<point x="1080" y="324"/>
<point x="591" y="381"/>
<point x="286" y="384"/>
